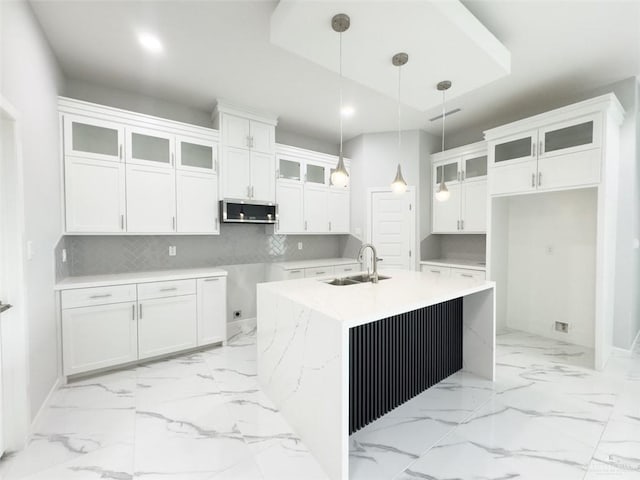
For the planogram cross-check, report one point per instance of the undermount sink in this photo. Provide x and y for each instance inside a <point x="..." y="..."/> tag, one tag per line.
<point x="354" y="280"/>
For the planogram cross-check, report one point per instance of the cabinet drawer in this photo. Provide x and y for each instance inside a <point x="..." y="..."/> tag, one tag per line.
<point x="293" y="274"/>
<point x="86" y="297"/>
<point x="166" y="289"/>
<point x="465" y="273"/>
<point x="436" y="270"/>
<point x="348" y="269"/>
<point x="318" y="272"/>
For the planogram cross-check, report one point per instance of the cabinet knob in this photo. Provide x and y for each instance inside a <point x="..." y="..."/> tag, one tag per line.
<point x="539" y="179"/>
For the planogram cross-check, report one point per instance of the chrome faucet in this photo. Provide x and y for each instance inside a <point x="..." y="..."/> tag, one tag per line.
<point x="374" y="258"/>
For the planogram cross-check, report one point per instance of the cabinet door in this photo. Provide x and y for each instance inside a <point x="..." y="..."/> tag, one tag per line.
<point x="94" y="195"/>
<point x="446" y="215"/>
<point x="98" y="337"/>
<point x="316" y="218"/>
<point x="235" y="131"/>
<point x="316" y="174"/>
<point x="197" y="203"/>
<point x="474" y="167"/>
<point x="348" y="269"/>
<point x="569" y="170"/>
<point x="196" y="155"/>
<point x="212" y="310"/>
<point x="436" y="270"/>
<point x="263" y="177"/>
<point x="318" y="271"/>
<point x="289" y="169"/>
<point x="289" y="197"/>
<point x="151" y="199"/>
<point x="468" y="274"/>
<point x="517" y="178"/>
<point x="514" y="149"/>
<point x="262" y="137"/>
<point x="571" y="136"/>
<point x="166" y="325"/>
<point x="474" y="207"/>
<point x="451" y="171"/>
<point x="150" y="147"/>
<point x="293" y="274"/>
<point x="92" y="138"/>
<point x="236" y="173"/>
<point x="339" y="210"/>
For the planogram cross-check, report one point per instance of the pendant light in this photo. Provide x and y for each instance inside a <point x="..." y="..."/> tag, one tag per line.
<point x="399" y="185"/>
<point x="340" y="177"/>
<point x="443" y="193"/>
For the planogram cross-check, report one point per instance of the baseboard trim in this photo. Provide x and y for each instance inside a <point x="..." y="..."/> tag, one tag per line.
<point x="38" y="417"/>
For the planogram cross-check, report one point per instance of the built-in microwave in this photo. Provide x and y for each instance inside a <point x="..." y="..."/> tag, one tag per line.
<point x="243" y="211"/>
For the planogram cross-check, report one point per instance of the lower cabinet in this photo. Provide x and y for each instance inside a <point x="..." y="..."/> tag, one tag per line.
<point x="212" y="310"/>
<point x="99" y="336"/>
<point x="454" y="272"/>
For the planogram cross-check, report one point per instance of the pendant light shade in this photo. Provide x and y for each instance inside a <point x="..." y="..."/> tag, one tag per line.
<point x="340" y="177"/>
<point x="443" y="193"/>
<point x="399" y="185"/>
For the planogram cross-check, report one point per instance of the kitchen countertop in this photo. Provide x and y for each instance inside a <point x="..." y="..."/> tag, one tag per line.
<point x="322" y="262"/>
<point x="367" y="302"/>
<point x="86" y="281"/>
<point x="456" y="263"/>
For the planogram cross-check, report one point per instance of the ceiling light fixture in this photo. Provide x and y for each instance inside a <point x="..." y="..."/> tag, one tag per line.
<point x="150" y="42"/>
<point x="399" y="185"/>
<point x="340" y="177"/>
<point x="443" y="193"/>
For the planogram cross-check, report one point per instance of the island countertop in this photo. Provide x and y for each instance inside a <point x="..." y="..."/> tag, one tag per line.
<point x="367" y="302"/>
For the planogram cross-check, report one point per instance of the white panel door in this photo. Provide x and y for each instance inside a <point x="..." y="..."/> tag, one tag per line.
<point x="236" y="173"/>
<point x="339" y="210"/>
<point x="98" y="336"/>
<point x="197" y="203"/>
<point x="212" y="310"/>
<point x="474" y="207"/>
<point x="235" y="131"/>
<point x="446" y="215"/>
<point x="391" y="227"/>
<point x="316" y="213"/>
<point x="151" y="199"/>
<point x="289" y="197"/>
<point x="263" y="176"/>
<point x="166" y="325"/>
<point x="93" y="138"/>
<point x="94" y="195"/>
<point x="262" y="137"/>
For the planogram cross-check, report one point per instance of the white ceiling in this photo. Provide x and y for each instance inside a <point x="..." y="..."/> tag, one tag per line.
<point x="473" y="57"/>
<point x="218" y="49"/>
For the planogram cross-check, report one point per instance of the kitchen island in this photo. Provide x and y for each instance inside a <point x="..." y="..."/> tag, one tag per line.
<point x="336" y="357"/>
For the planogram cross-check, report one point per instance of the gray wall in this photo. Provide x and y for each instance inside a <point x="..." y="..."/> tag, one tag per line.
<point x="31" y="81"/>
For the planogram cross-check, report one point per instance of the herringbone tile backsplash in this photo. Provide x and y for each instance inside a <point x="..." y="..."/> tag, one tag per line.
<point x="237" y="244"/>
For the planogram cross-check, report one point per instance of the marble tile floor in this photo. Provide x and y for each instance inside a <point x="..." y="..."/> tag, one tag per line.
<point x="203" y="416"/>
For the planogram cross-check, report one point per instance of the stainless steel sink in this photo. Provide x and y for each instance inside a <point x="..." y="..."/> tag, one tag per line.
<point x="354" y="279"/>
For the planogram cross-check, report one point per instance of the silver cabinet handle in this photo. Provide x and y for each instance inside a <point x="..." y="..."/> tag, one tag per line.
<point x="541" y="148"/>
<point x="120" y="151"/>
<point x="458" y="225"/>
<point x="106" y="295"/>
<point x="173" y="223"/>
<point x="461" y="224"/>
<point x="533" y="149"/>
<point x="211" y="279"/>
<point x="252" y="144"/>
<point x="305" y="224"/>
<point x="171" y="289"/>
<point x="133" y="312"/>
<point x="539" y="179"/>
<point x="139" y="311"/>
<point x="320" y="273"/>
<point x="329" y="226"/>
<point x="172" y="159"/>
<point x="347" y="269"/>
<point x="533" y="179"/>
<point x="252" y="191"/>
<point x="466" y="275"/>
<point x="295" y="271"/>
<point x="435" y="271"/>
<point x="122" y="222"/>
<point x="464" y="175"/>
<point x="248" y="141"/>
<point x="458" y="175"/>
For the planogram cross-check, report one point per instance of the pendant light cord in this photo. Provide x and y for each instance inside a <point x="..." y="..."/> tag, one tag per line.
<point x="340" y="112"/>
<point x="399" y="113"/>
<point x="443" y="117"/>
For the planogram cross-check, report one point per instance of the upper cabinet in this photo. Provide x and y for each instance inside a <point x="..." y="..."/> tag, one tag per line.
<point x="248" y="165"/>
<point x="465" y="174"/>
<point x="131" y="173"/>
<point x="552" y="151"/>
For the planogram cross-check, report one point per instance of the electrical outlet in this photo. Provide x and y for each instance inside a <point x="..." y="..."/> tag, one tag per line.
<point x="64" y="255"/>
<point x="562" y="327"/>
<point x="237" y="313"/>
<point x="299" y="245"/>
<point x="172" y="250"/>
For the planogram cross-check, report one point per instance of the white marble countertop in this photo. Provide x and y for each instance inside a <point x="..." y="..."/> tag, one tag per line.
<point x="367" y="302"/>
<point x="321" y="262"/>
<point x="457" y="263"/>
<point x="85" y="281"/>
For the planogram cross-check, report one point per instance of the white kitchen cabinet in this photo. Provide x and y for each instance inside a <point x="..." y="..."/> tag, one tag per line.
<point x="465" y="174"/>
<point x="98" y="336"/>
<point x="436" y="270"/>
<point x="262" y="137"/>
<point x="348" y="269"/>
<point x="339" y="210"/>
<point x="263" y="185"/>
<point x="196" y="155"/>
<point x="323" y="271"/>
<point x="560" y="154"/>
<point x="468" y="273"/>
<point x="316" y="212"/>
<point x="243" y="132"/>
<point x="212" y="310"/>
<point x="236" y="173"/>
<point x="151" y="199"/>
<point x="94" y="195"/>
<point x="166" y="325"/>
<point x="93" y="138"/>
<point x="150" y="147"/>
<point x="290" y="200"/>
<point x="197" y="202"/>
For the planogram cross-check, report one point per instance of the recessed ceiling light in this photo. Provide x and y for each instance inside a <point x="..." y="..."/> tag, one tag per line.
<point x="150" y="42"/>
<point x="348" y="110"/>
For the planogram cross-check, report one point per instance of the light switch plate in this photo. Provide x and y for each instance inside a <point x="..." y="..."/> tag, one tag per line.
<point x="299" y="245"/>
<point x="172" y="250"/>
